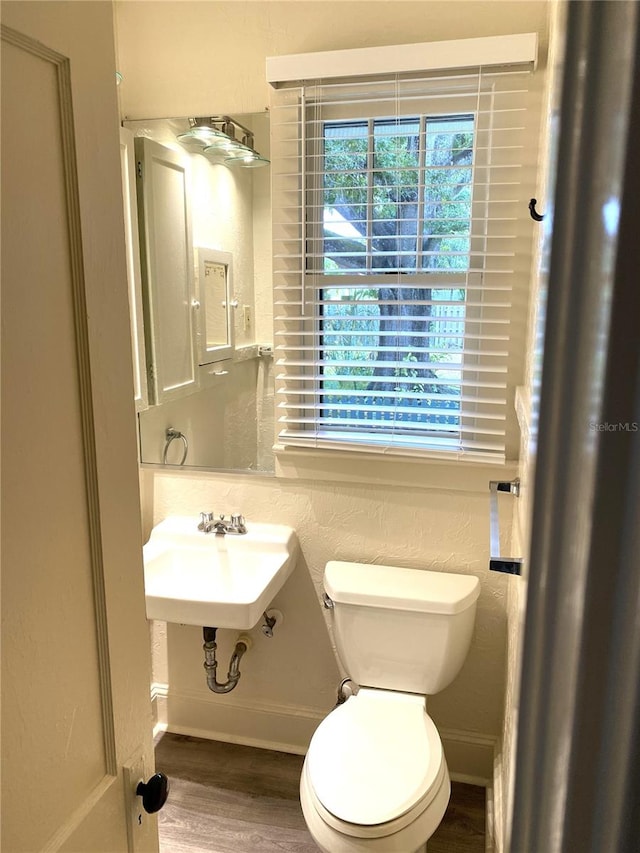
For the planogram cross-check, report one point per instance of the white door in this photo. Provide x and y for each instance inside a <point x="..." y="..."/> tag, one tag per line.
<point x="75" y="642"/>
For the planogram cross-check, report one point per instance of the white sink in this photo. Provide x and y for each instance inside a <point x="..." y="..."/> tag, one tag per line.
<point x="221" y="581"/>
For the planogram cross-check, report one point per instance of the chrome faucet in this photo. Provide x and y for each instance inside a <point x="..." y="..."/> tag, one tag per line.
<point x="208" y="523"/>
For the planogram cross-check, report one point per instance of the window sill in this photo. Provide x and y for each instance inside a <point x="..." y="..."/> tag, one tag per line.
<point x="377" y="470"/>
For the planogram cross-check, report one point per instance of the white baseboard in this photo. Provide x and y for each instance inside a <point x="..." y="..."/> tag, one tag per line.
<point x="469" y="756"/>
<point x="158" y="729"/>
<point x="284" y="728"/>
<point x="497" y="804"/>
<point x="490" y="821"/>
<point x="159" y="694"/>
<point x="243" y="740"/>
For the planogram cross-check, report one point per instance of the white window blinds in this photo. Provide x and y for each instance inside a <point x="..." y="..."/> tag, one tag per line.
<point x="398" y="208"/>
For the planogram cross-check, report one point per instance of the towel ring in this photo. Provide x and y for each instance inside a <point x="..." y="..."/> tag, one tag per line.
<point x="171" y="435"/>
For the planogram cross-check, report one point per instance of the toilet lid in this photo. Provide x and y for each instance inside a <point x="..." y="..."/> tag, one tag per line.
<point x="373" y="758"/>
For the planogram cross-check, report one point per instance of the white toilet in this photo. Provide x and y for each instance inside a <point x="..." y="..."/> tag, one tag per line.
<point x="375" y="777"/>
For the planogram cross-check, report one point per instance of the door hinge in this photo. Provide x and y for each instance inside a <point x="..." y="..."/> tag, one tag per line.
<point x="139" y="169"/>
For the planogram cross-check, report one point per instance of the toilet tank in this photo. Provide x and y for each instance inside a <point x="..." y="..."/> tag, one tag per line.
<point x="401" y="629"/>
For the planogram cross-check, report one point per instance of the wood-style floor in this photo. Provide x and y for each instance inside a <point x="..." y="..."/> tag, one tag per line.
<point x="226" y="798"/>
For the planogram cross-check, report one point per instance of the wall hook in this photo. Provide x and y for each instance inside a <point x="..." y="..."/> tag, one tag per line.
<point x="534" y="213"/>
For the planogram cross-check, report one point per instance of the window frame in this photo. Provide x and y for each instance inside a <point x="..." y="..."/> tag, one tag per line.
<point x="434" y="440"/>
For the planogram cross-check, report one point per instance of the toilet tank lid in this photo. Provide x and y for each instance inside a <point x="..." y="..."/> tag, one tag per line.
<point x="397" y="588"/>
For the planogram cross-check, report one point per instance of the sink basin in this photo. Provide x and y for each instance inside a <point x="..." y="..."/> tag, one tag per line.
<point x="228" y="581"/>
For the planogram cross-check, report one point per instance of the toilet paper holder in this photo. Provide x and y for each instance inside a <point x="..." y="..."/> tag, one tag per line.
<point x="497" y="563"/>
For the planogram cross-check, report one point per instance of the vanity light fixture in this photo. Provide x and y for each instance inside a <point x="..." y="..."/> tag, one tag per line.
<point x="225" y="140"/>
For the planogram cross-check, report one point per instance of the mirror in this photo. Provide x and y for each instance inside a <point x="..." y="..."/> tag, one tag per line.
<point x="214" y="303"/>
<point x="205" y="238"/>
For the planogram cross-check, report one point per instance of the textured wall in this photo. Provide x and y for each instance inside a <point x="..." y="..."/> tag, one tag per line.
<point x="187" y="58"/>
<point x="409" y="527"/>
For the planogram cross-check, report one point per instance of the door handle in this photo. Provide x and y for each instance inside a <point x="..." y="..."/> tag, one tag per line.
<point x="154" y="793"/>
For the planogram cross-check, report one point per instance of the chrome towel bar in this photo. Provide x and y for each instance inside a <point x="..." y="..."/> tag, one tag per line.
<point x="510" y="565"/>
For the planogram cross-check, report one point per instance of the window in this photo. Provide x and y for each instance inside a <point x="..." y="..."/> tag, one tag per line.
<point x="391" y="355"/>
<point x="405" y="208"/>
<point x="397" y="219"/>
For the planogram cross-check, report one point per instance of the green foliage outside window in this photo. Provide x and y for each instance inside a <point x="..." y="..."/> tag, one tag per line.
<point x="396" y="199"/>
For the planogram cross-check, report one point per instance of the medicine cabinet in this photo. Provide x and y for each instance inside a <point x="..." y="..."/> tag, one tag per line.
<point x="167" y="269"/>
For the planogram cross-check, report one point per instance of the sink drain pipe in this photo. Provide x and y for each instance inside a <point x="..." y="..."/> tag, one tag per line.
<point x="211" y="664"/>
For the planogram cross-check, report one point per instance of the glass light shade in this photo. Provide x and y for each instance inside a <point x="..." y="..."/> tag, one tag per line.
<point x="247" y="159"/>
<point x="203" y="135"/>
<point x="224" y="146"/>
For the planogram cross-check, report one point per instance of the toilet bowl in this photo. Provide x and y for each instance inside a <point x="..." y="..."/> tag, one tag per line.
<point x="375" y="777"/>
